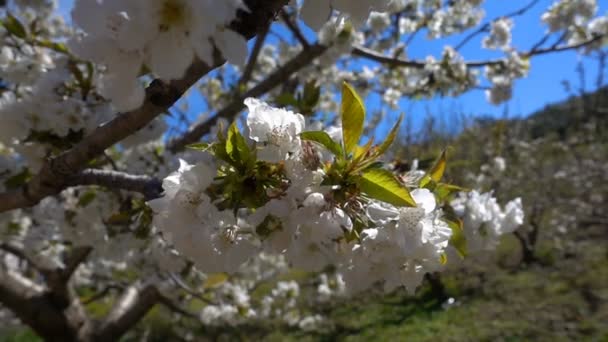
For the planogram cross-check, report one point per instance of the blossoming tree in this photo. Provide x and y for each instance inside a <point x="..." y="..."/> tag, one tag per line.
<point x="104" y="198"/>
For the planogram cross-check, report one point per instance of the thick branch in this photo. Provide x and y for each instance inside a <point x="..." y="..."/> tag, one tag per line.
<point x="160" y="96"/>
<point x="150" y="187"/>
<point x="36" y="308"/>
<point x="233" y="108"/>
<point x="130" y="309"/>
<point x="23" y="255"/>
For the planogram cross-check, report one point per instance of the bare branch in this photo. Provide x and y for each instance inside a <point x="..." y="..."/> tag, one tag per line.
<point x="21" y="254"/>
<point x="485" y="27"/>
<point x="160" y="96"/>
<point x="150" y="187"/>
<point x="257" y="48"/>
<point x="36" y="308"/>
<point x="128" y="310"/>
<point x="293" y="27"/>
<point x="233" y="108"/>
<point x="396" y="62"/>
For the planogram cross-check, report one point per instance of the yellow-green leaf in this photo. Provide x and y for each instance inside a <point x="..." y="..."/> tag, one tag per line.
<point x="382" y="185"/>
<point x="14" y="26"/>
<point x="443" y="258"/>
<point x="324" y="140"/>
<point x="353" y="117"/>
<point x="436" y="172"/>
<point x="444" y="190"/>
<point x="458" y="240"/>
<point x="215" y="280"/>
<point x="236" y="146"/>
<point x="199" y="146"/>
<point x="390" y="138"/>
<point x="86" y="198"/>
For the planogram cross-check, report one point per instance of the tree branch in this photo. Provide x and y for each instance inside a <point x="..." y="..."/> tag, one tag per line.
<point x="35" y="307"/>
<point x="397" y="62"/>
<point x="130" y="309"/>
<point x="160" y="96"/>
<point x="233" y="108"/>
<point x="255" y="53"/>
<point x="21" y="254"/>
<point x="294" y="29"/>
<point x="485" y="27"/>
<point x="150" y="187"/>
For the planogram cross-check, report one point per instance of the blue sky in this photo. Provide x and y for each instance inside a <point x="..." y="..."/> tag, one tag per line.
<point x="542" y="86"/>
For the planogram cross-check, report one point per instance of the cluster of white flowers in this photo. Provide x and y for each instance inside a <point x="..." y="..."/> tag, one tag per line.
<point x="316" y="12"/>
<point x="564" y="14"/>
<point x="54" y="106"/>
<point x="300" y="221"/>
<point x="500" y="34"/>
<point x="485" y="221"/>
<point x="503" y="75"/>
<point x="460" y="14"/>
<point x="163" y="36"/>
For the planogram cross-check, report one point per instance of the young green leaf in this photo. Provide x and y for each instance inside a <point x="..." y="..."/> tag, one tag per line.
<point x="324" y="140"/>
<point x="86" y="198"/>
<point x="458" y="240"/>
<point x="199" y="146"/>
<point x="382" y="185"/>
<point x="14" y="26"/>
<point x="443" y="190"/>
<point x="436" y="172"/>
<point x="236" y="146"/>
<point x="353" y="117"/>
<point x="390" y="138"/>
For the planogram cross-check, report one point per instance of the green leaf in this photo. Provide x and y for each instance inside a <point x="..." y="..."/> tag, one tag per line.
<point x="443" y="258"/>
<point x="444" y="190"/>
<point x="382" y="185"/>
<point x="386" y="144"/>
<point x="215" y="280"/>
<point x="324" y="140"/>
<point x="436" y="172"/>
<point x="14" y="26"/>
<point x="353" y="117"/>
<point x="122" y="218"/>
<point x="86" y="198"/>
<point x="58" y="47"/>
<point x="236" y="146"/>
<point x="18" y="180"/>
<point x="312" y="94"/>
<point x="286" y="99"/>
<point x="458" y="240"/>
<point x="199" y="146"/>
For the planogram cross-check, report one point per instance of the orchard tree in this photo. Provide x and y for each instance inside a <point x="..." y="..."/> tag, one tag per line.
<point x="110" y="192"/>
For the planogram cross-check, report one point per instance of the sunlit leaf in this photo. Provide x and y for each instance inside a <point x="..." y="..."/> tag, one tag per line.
<point x="390" y="138"/>
<point x="199" y="146"/>
<point x="215" y="280"/>
<point x="236" y="145"/>
<point x="382" y="185"/>
<point x="458" y="240"/>
<point x="353" y="117"/>
<point x="324" y="140"/>
<point x="14" y="26"/>
<point x="443" y="190"/>
<point x="443" y="258"/>
<point x="436" y="172"/>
